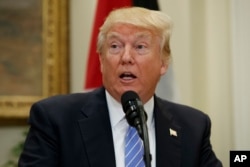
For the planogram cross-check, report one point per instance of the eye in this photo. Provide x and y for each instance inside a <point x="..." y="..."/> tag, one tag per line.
<point x="142" y="49"/>
<point x="115" y="48"/>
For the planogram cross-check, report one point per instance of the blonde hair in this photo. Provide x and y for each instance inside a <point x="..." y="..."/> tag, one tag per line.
<point x="159" y="22"/>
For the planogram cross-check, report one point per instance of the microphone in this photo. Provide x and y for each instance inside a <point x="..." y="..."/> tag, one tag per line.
<point x="137" y="117"/>
<point x="134" y="111"/>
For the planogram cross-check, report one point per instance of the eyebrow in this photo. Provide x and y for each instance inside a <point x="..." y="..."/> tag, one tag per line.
<point x="139" y="35"/>
<point x="113" y="35"/>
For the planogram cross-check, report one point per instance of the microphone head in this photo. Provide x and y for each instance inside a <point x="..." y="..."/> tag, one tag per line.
<point x="132" y="106"/>
<point x="128" y="96"/>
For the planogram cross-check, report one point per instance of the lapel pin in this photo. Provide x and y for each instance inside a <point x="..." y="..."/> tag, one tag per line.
<point x="172" y="132"/>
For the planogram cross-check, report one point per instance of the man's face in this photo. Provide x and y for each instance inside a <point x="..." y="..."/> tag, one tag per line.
<point x="131" y="61"/>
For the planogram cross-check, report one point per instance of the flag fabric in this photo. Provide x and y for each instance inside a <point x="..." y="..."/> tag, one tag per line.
<point x="93" y="75"/>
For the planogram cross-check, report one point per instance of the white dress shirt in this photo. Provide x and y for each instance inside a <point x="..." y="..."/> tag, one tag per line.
<point x="119" y="128"/>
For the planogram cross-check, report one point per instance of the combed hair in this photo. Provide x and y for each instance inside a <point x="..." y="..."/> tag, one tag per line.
<point x="156" y="21"/>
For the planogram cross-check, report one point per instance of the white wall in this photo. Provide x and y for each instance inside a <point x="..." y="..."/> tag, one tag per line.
<point x="81" y="20"/>
<point x="240" y="61"/>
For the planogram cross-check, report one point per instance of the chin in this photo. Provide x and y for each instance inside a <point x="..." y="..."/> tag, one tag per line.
<point x="129" y="88"/>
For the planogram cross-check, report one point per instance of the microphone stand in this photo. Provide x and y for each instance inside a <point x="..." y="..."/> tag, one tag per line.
<point x="143" y="133"/>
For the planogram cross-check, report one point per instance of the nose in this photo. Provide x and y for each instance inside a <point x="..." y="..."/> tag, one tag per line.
<point x="127" y="56"/>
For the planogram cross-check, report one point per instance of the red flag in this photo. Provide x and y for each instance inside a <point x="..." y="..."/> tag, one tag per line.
<point x="93" y="76"/>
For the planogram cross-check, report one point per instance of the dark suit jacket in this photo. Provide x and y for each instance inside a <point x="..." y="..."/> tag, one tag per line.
<point x="74" y="131"/>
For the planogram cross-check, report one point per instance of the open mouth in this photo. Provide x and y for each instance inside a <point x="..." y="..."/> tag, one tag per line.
<point x="127" y="76"/>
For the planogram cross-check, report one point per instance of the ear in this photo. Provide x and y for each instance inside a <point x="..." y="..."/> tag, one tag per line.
<point x="101" y="62"/>
<point x="164" y="67"/>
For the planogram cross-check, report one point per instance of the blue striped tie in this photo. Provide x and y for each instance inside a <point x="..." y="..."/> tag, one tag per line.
<point x="133" y="149"/>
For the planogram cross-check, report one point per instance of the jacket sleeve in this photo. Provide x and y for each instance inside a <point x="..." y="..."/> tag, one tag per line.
<point x="208" y="157"/>
<point x="41" y="145"/>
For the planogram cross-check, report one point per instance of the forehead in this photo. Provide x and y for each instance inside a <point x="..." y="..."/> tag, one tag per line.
<point x="126" y="30"/>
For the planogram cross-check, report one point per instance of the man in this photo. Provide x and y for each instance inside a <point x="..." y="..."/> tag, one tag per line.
<point x="89" y="129"/>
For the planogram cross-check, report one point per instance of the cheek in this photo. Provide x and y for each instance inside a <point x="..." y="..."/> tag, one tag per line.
<point x="104" y="64"/>
<point x="152" y="70"/>
<point x="107" y="64"/>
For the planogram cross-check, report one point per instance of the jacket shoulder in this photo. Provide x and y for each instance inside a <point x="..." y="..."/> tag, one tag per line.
<point x="68" y="104"/>
<point x="73" y="98"/>
<point x="183" y="114"/>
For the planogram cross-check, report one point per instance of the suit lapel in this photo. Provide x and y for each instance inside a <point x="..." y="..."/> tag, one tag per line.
<point x="168" y="137"/>
<point x="96" y="131"/>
